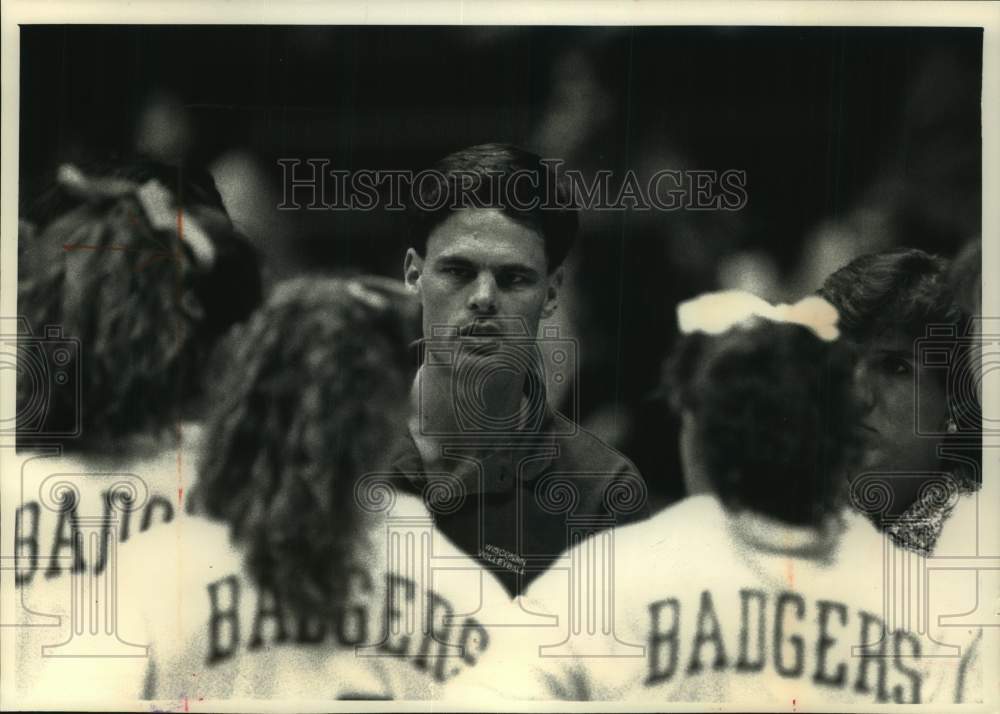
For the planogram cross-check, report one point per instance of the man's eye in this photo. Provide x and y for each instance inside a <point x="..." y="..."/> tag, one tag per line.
<point x="513" y="279"/>
<point x="456" y="271"/>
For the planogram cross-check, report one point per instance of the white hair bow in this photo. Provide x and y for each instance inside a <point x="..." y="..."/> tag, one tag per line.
<point x="715" y="313"/>
<point x="156" y="200"/>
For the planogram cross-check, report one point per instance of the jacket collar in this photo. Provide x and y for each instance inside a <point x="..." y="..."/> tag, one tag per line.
<point x="484" y="465"/>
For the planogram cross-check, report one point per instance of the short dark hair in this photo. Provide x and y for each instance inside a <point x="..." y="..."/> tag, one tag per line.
<point x="304" y="407"/>
<point x="146" y="312"/>
<point x="489" y="176"/>
<point x="774" y="417"/>
<point x="899" y="291"/>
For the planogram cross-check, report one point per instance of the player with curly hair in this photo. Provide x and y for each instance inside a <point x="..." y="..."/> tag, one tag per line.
<point x="125" y="287"/>
<point x="304" y="569"/>
<point x="763" y="587"/>
<point x="304" y="405"/>
<point x="138" y="264"/>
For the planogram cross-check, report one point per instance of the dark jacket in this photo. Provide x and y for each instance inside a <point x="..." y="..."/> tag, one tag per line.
<point x="516" y="503"/>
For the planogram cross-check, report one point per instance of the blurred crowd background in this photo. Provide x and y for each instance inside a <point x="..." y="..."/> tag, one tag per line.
<point x="853" y="140"/>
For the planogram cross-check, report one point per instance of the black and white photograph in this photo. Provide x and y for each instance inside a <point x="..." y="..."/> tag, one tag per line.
<point x="463" y="357"/>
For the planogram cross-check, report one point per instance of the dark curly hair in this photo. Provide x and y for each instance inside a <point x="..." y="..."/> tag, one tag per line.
<point x="314" y="392"/>
<point x="900" y="291"/>
<point x="146" y="312"/>
<point x="492" y="176"/>
<point x="774" y="413"/>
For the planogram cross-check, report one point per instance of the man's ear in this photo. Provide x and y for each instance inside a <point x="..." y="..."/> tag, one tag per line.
<point x="413" y="268"/>
<point x="555" y="281"/>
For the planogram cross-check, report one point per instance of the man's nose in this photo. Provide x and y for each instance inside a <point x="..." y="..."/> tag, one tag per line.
<point x="483" y="298"/>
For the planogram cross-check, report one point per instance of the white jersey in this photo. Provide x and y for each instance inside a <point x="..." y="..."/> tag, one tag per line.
<point x="67" y="520"/>
<point x="963" y="583"/>
<point x="708" y="606"/>
<point x="45" y="492"/>
<point x="417" y="616"/>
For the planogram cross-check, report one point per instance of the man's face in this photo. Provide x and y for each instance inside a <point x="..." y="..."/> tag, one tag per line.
<point x="480" y="265"/>
<point x="886" y="379"/>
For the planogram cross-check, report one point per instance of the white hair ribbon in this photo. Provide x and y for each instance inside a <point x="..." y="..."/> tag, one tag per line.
<point x="157" y="203"/>
<point x="91" y="187"/>
<point x="715" y="313"/>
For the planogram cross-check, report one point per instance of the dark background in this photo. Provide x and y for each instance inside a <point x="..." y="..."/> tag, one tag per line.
<point x="853" y="139"/>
